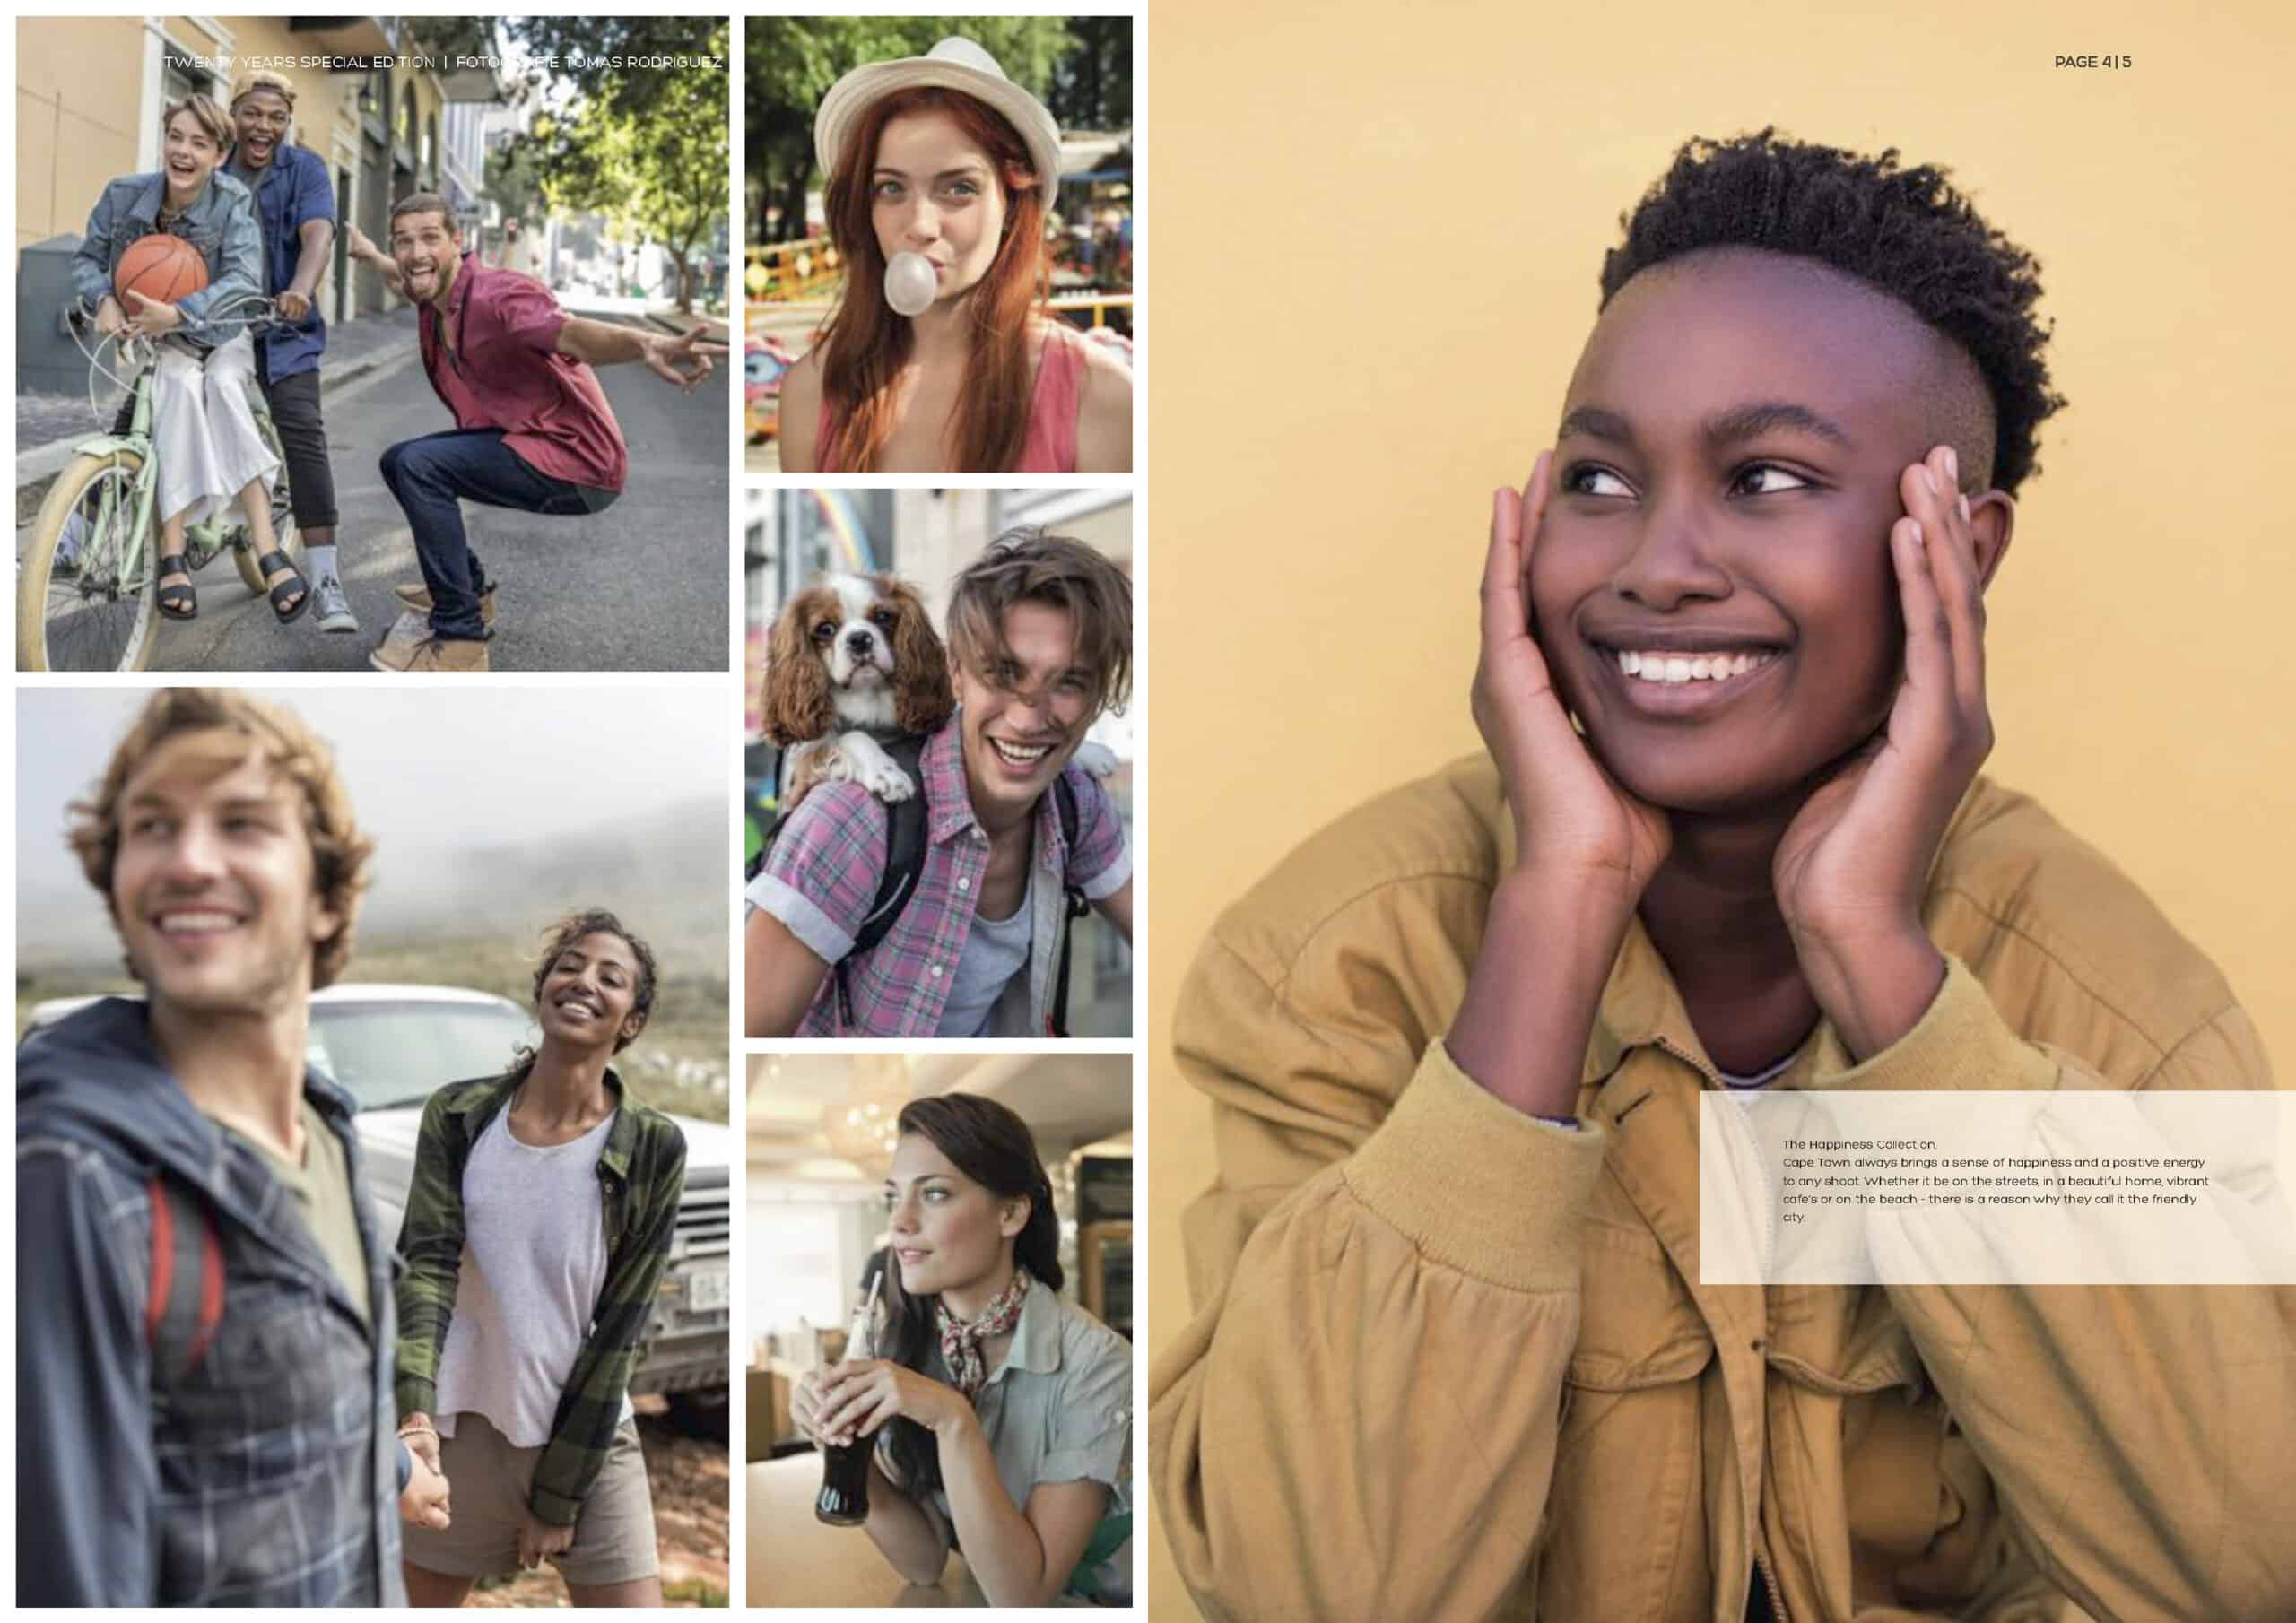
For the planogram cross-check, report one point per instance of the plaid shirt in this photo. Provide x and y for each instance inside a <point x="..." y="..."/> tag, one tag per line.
<point x="823" y="873"/>
<point x="642" y="1170"/>
<point x="266" y="1475"/>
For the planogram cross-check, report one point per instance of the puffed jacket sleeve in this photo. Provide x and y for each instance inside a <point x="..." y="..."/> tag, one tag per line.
<point x="91" y="260"/>
<point x="1361" y="1421"/>
<point x="2141" y="1439"/>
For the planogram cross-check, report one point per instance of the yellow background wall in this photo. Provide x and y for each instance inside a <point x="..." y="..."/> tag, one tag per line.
<point x="1376" y="238"/>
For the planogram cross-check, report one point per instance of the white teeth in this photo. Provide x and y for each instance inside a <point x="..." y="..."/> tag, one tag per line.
<point x="192" y="924"/>
<point x="1018" y="755"/>
<point x="1671" y="668"/>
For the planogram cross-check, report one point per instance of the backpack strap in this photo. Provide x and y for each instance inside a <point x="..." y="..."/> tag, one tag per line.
<point x="906" y="831"/>
<point x="186" y="1303"/>
<point x="1077" y="907"/>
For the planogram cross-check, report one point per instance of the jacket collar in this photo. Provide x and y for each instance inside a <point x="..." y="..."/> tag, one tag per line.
<point x="1036" y="1335"/>
<point x="1642" y="1007"/>
<point x="479" y="1106"/>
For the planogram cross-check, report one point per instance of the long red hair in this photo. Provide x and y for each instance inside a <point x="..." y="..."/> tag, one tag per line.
<point x="866" y="343"/>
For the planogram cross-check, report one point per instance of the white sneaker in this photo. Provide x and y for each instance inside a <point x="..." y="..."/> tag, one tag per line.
<point x="335" y="609"/>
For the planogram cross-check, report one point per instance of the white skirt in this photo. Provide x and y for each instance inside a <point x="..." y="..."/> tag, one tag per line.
<point x="203" y="428"/>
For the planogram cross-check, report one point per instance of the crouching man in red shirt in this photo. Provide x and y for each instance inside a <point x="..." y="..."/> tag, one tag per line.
<point x="533" y="429"/>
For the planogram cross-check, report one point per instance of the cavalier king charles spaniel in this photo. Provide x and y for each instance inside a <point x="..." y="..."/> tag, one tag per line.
<point x="851" y="652"/>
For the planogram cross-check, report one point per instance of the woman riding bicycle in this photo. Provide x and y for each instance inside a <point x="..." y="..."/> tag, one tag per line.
<point x="210" y="450"/>
<point x="942" y="157"/>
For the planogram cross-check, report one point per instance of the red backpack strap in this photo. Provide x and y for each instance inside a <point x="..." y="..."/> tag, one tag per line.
<point x="186" y="1303"/>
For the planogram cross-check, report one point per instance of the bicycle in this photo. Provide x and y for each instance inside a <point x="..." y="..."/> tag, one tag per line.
<point x="87" y="590"/>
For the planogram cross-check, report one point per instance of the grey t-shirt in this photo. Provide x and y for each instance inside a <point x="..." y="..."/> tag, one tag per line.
<point x="995" y="950"/>
<point x="534" y="1264"/>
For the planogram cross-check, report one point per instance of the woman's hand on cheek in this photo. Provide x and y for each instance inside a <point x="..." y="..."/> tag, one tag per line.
<point x="1854" y="864"/>
<point x="1574" y="824"/>
<point x="858" y="1398"/>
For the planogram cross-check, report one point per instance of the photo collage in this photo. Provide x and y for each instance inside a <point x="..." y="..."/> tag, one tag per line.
<point x="605" y="1016"/>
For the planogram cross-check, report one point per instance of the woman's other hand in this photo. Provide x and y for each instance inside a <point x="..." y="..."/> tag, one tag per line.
<point x="538" y="1541"/>
<point x="858" y="1398"/>
<point x="152" y="318"/>
<point x="111" y="321"/>
<point x="1575" y="825"/>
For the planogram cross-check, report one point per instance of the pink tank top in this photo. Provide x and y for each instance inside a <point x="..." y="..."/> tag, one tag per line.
<point x="1051" y="446"/>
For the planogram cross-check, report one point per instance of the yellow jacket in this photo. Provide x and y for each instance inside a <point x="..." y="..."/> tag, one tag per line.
<point x="1453" y="1363"/>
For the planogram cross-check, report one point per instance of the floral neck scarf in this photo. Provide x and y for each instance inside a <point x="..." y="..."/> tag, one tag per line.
<point x="960" y="1342"/>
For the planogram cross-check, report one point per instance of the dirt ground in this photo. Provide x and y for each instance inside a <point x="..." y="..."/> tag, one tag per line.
<point x="691" y="1493"/>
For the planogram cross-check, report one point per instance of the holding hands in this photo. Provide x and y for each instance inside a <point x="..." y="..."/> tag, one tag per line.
<point x="848" y="1402"/>
<point x="423" y="1501"/>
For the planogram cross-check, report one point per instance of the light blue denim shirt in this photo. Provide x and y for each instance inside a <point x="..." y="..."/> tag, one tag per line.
<point x="1059" y="1407"/>
<point x="221" y="223"/>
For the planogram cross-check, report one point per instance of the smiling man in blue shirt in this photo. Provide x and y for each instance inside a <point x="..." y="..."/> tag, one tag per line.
<point x="295" y="203"/>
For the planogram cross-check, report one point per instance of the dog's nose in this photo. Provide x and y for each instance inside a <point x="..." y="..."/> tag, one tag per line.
<point x="860" y="640"/>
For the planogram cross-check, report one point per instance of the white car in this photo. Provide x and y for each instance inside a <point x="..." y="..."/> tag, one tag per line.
<point x="389" y="1046"/>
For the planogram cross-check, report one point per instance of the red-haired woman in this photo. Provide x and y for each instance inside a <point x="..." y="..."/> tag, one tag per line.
<point x="943" y="157"/>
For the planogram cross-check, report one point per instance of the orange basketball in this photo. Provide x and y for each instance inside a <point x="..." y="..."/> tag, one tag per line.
<point x="161" y="267"/>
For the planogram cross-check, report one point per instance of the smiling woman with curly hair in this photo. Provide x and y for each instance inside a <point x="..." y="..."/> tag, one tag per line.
<point x="537" y="1230"/>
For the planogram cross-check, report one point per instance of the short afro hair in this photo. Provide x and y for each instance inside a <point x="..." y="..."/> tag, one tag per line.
<point x="1906" y="232"/>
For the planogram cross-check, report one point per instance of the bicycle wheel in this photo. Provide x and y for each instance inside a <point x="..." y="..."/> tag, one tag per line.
<point x="95" y="607"/>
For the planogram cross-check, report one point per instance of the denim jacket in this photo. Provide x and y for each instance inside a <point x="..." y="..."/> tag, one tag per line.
<point x="221" y="223"/>
<point x="269" y="1475"/>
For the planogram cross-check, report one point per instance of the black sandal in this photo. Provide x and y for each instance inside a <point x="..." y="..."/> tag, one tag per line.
<point x="178" y="602"/>
<point x="276" y="559"/>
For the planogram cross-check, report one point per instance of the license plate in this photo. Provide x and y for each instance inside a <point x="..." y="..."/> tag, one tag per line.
<point x="707" y="1288"/>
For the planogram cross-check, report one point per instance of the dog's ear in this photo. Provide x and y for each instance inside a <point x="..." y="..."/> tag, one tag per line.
<point x="923" y="698"/>
<point x="798" y="704"/>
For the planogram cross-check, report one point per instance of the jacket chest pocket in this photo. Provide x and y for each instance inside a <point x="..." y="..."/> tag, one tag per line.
<point x="283" y="1394"/>
<point x="1638" y="1326"/>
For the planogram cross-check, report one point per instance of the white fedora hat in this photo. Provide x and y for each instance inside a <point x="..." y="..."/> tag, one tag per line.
<point x="954" y="63"/>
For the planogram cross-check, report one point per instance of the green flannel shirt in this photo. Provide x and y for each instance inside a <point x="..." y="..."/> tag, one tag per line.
<point x="642" y="1170"/>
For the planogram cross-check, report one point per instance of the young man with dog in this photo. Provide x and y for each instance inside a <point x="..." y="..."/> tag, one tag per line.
<point x="532" y="432"/>
<point x="205" y="1318"/>
<point x="1039" y="643"/>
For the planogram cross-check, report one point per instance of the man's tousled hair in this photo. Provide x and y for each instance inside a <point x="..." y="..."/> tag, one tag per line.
<point x="1029" y="565"/>
<point x="340" y="852"/>
<point x="1906" y="232"/>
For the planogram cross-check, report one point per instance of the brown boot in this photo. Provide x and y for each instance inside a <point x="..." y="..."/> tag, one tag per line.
<point x="449" y="654"/>
<point x="419" y="597"/>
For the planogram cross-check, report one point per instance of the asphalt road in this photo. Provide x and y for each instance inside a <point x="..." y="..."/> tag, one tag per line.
<point x="641" y="586"/>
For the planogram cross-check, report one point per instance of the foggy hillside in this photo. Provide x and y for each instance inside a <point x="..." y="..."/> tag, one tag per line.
<point x="669" y="873"/>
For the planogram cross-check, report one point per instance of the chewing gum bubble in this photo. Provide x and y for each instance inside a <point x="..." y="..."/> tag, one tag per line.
<point x="910" y="283"/>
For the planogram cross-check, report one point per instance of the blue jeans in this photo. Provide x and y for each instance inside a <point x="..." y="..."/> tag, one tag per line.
<point x="432" y="476"/>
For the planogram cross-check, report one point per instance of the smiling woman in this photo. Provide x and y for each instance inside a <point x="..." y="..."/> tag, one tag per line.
<point x="941" y="170"/>
<point x="1728" y="832"/>
<point x="538" y="1228"/>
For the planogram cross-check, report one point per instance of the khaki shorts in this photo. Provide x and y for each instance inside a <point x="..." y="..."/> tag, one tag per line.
<point x="614" y="1539"/>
